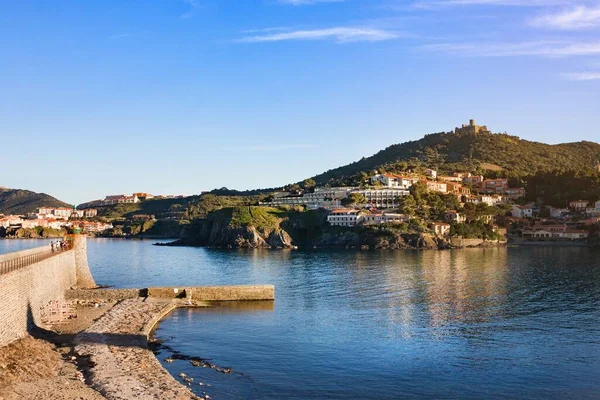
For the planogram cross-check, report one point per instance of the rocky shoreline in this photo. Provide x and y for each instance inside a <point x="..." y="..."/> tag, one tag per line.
<point x="251" y="238"/>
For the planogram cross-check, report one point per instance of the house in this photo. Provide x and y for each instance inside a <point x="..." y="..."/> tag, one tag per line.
<point x="143" y="196"/>
<point x="56" y="212"/>
<point x="457" y="188"/>
<point x="120" y="199"/>
<point x="474" y="180"/>
<point x="578" y="205"/>
<point x="441" y="228"/>
<point x="440" y="187"/>
<point x="11" y="220"/>
<point x="345" y="217"/>
<point x="394" y="180"/>
<point x="558" y="212"/>
<point x="383" y="218"/>
<point x="372" y="219"/>
<point x="432" y="173"/>
<point x="491" y="200"/>
<point x="450" y="179"/>
<point x="455" y="216"/>
<point x="494" y="185"/>
<point x="575" y="234"/>
<point x="550" y="228"/>
<point x="555" y="233"/>
<point x="514" y="193"/>
<point x="522" y="211"/>
<point x="595" y="210"/>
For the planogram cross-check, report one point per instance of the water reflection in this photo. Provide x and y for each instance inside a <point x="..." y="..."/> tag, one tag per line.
<point x="479" y="323"/>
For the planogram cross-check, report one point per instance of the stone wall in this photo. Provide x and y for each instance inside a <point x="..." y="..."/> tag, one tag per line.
<point x="458" y="242"/>
<point x="34" y="294"/>
<point x="197" y="293"/>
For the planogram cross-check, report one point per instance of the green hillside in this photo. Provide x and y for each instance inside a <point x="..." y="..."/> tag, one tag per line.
<point x="18" y="201"/>
<point x="449" y="152"/>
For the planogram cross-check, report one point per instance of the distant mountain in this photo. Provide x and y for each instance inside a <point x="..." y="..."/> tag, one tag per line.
<point x="472" y="148"/>
<point x="18" y="201"/>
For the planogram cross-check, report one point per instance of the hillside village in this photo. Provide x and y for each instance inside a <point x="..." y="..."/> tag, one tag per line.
<point x="419" y="199"/>
<point x="389" y="198"/>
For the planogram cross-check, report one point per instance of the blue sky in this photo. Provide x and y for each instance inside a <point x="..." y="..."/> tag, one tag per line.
<point x="174" y="96"/>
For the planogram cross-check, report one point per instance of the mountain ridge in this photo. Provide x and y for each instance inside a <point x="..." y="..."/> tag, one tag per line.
<point x="468" y="151"/>
<point x="21" y="201"/>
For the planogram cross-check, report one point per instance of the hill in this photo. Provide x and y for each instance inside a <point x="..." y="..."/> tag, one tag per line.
<point x="18" y="201"/>
<point x="470" y="150"/>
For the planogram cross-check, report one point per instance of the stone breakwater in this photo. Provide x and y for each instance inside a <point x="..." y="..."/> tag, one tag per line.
<point x="121" y="365"/>
<point x="115" y="347"/>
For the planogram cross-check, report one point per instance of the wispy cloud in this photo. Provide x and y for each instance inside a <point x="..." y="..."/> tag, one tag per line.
<point x="579" y="17"/>
<point x="266" y="30"/>
<point x="338" y="34"/>
<point x="433" y="4"/>
<point x="539" y="48"/>
<point x="307" y="2"/>
<point x="270" y="147"/>
<point x="582" y="76"/>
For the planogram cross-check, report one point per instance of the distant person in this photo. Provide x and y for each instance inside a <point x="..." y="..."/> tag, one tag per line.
<point x="52" y="246"/>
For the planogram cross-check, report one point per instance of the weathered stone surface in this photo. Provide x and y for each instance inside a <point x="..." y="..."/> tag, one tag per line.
<point x="103" y="294"/>
<point x="217" y="293"/>
<point x="122" y="365"/>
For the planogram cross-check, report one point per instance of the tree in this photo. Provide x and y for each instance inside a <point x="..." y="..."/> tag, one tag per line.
<point x="418" y="191"/>
<point x="309" y="184"/>
<point x="355" y="199"/>
<point x="408" y="205"/>
<point x="294" y="188"/>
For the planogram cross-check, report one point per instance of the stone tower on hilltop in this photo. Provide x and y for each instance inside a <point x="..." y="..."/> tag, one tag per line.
<point x="472" y="128"/>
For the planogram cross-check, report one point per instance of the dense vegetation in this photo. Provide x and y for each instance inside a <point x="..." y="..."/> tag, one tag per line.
<point x="449" y="152"/>
<point x="557" y="188"/>
<point x="187" y="208"/>
<point x="18" y="201"/>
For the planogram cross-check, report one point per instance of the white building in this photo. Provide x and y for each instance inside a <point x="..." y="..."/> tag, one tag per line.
<point x="437" y="186"/>
<point x="593" y="211"/>
<point x="579" y="205"/>
<point x="327" y="198"/>
<point x="345" y="217"/>
<point x="56" y="212"/>
<point x="522" y="211"/>
<point x="455" y="216"/>
<point x="441" y="228"/>
<point x="120" y="199"/>
<point x="383" y="198"/>
<point x="558" y="212"/>
<point x="394" y="180"/>
<point x="432" y="173"/>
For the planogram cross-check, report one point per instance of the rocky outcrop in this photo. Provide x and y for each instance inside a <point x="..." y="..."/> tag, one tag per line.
<point x="220" y="234"/>
<point x="296" y="230"/>
<point x="217" y="234"/>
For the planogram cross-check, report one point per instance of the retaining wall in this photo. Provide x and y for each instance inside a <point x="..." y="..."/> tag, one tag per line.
<point x="33" y="294"/>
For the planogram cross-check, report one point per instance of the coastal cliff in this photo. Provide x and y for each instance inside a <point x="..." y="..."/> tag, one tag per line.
<point x="263" y="227"/>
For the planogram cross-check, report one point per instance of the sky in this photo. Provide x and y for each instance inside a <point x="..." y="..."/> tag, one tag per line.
<point x="181" y="96"/>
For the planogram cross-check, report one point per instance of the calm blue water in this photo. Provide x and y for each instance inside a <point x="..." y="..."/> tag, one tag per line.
<point x="10" y="246"/>
<point x="513" y="323"/>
